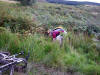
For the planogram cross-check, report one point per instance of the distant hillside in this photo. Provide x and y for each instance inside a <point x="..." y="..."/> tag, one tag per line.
<point x="41" y="0"/>
<point x="73" y="2"/>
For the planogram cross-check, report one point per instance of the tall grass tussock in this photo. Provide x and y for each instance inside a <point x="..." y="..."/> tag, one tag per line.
<point x="81" y="56"/>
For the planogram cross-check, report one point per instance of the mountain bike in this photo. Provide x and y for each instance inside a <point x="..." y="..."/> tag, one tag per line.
<point x="11" y="63"/>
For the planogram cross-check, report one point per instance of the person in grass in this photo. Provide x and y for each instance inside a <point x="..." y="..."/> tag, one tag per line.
<point x="56" y="34"/>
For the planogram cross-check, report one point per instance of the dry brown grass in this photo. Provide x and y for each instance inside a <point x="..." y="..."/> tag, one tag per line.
<point x="10" y="1"/>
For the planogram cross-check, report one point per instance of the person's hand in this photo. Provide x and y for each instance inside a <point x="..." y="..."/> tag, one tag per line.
<point x="65" y="32"/>
<point x="54" y="39"/>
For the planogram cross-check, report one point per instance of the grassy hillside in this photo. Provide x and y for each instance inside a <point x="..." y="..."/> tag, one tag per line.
<point x="82" y="18"/>
<point x="20" y="28"/>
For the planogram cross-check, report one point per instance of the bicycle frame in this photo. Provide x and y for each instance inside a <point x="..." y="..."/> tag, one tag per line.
<point x="11" y="62"/>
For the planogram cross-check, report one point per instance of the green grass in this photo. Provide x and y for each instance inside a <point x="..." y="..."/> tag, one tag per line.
<point x="78" y="52"/>
<point x="21" y="18"/>
<point x="79" y="56"/>
<point x="15" y="17"/>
